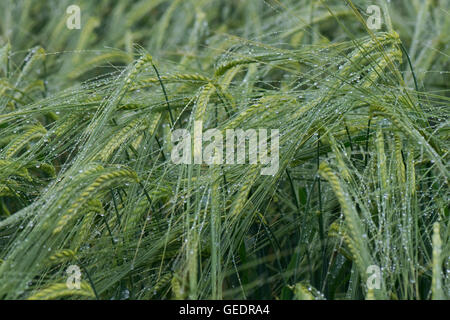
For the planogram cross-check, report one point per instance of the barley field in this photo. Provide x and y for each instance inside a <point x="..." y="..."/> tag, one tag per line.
<point x="97" y="203"/>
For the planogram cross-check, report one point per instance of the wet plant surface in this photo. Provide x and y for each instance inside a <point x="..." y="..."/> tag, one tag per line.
<point x="92" y="205"/>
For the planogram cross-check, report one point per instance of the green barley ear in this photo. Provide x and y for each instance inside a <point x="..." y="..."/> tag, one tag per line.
<point x="60" y="290"/>
<point x="337" y="231"/>
<point x="130" y="130"/>
<point x="202" y="102"/>
<point x="62" y="256"/>
<point x="102" y="182"/>
<point x="17" y="144"/>
<point x="370" y="295"/>
<point x="178" y="77"/>
<point x="162" y="282"/>
<point x="12" y="167"/>
<point x="36" y="54"/>
<point x="242" y="196"/>
<point x="305" y="291"/>
<point x="436" y="284"/>
<point x="177" y="290"/>
<point x="355" y="228"/>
